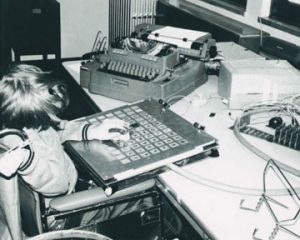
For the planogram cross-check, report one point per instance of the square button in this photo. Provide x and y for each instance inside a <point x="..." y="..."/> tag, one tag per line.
<point x="126" y="119"/>
<point x="122" y="115"/>
<point x="183" y="141"/>
<point x="148" y="135"/>
<point x="130" y="153"/>
<point x="91" y="121"/>
<point x="152" y="129"/>
<point x="153" y="140"/>
<point x="127" y="109"/>
<point x="145" y="154"/>
<point x="156" y="122"/>
<point x="144" y="132"/>
<point x="148" y="125"/>
<point x="130" y="113"/>
<point x="134" y="146"/>
<point x="149" y="147"/>
<point x="140" y="150"/>
<point x="139" y="110"/>
<point x="151" y="120"/>
<point x="131" y="121"/>
<point x="146" y="116"/>
<point x="135" y="158"/>
<point x="142" y="113"/>
<point x="173" y="145"/>
<point x="109" y="115"/>
<point x="167" y="130"/>
<point x="162" y="137"/>
<point x="168" y="140"/>
<point x="143" y="122"/>
<point x="158" y="144"/>
<point x="100" y="118"/>
<point x="139" y="139"/>
<point x="135" y="135"/>
<point x="161" y="126"/>
<point x="177" y="138"/>
<point x="135" y="116"/>
<point x="154" y="151"/>
<point x="118" y="112"/>
<point x="172" y="134"/>
<point x="164" y="148"/>
<point x="139" y="119"/>
<point x="135" y="107"/>
<point x="144" y="143"/>
<point x="125" y="161"/>
<point x="139" y="129"/>
<point x="157" y="133"/>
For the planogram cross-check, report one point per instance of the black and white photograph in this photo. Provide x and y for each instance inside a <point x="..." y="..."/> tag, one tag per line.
<point x="150" y="119"/>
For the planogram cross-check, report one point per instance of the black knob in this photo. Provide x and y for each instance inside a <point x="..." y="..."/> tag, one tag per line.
<point x="214" y="153"/>
<point x="275" y="122"/>
<point x="198" y="126"/>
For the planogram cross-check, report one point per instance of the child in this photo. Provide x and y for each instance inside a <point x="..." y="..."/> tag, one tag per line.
<point x="30" y="100"/>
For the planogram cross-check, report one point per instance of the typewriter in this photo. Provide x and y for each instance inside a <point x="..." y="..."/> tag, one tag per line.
<point x="154" y="62"/>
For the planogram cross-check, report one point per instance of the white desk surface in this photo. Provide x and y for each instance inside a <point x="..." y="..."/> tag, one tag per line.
<point x="213" y="200"/>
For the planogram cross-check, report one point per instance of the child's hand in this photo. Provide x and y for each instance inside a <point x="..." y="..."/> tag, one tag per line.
<point x="110" y="129"/>
<point x="11" y="161"/>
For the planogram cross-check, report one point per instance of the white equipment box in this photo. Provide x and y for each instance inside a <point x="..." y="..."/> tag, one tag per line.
<point x="243" y="82"/>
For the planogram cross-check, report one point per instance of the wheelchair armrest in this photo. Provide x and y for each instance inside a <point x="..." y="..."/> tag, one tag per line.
<point x="94" y="196"/>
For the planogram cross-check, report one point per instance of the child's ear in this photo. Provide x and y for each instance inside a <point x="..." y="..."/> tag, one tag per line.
<point x="61" y="93"/>
<point x="52" y="92"/>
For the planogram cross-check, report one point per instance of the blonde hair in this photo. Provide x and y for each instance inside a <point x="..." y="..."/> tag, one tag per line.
<point x="28" y="98"/>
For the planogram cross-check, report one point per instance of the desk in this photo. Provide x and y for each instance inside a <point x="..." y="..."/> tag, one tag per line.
<point x="236" y="174"/>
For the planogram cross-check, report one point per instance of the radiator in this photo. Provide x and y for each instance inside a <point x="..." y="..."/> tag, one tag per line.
<point x="124" y="15"/>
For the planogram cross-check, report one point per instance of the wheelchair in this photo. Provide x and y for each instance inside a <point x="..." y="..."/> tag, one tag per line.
<point x="25" y="212"/>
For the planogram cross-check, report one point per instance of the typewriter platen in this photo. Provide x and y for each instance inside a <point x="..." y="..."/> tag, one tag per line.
<point x="148" y="66"/>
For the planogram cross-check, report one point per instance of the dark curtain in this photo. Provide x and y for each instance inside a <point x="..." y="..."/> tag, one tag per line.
<point x="5" y="35"/>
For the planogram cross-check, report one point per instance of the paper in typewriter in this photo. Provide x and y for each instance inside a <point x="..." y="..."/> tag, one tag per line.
<point x="177" y="36"/>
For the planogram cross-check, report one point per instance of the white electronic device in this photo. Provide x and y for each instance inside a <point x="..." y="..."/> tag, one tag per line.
<point x="242" y="82"/>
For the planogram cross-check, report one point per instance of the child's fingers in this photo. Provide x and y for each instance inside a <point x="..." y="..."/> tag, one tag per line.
<point x="118" y="130"/>
<point x="116" y="123"/>
<point x="114" y="136"/>
<point x="119" y="136"/>
<point x="124" y="137"/>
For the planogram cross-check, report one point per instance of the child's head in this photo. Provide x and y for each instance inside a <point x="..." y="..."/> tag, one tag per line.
<point x="29" y="98"/>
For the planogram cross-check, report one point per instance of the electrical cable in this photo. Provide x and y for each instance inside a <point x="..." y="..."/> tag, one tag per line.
<point x="225" y="187"/>
<point x="171" y="100"/>
<point x="255" y="109"/>
<point x="175" y="97"/>
<point x="257" y="151"/>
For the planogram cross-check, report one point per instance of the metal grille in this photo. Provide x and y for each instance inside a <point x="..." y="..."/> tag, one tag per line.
<point x="124" y="15"/>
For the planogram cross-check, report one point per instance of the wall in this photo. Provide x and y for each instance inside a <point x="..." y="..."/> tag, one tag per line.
<point x="80" y="22"/>
<point x="255" y="8"/>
